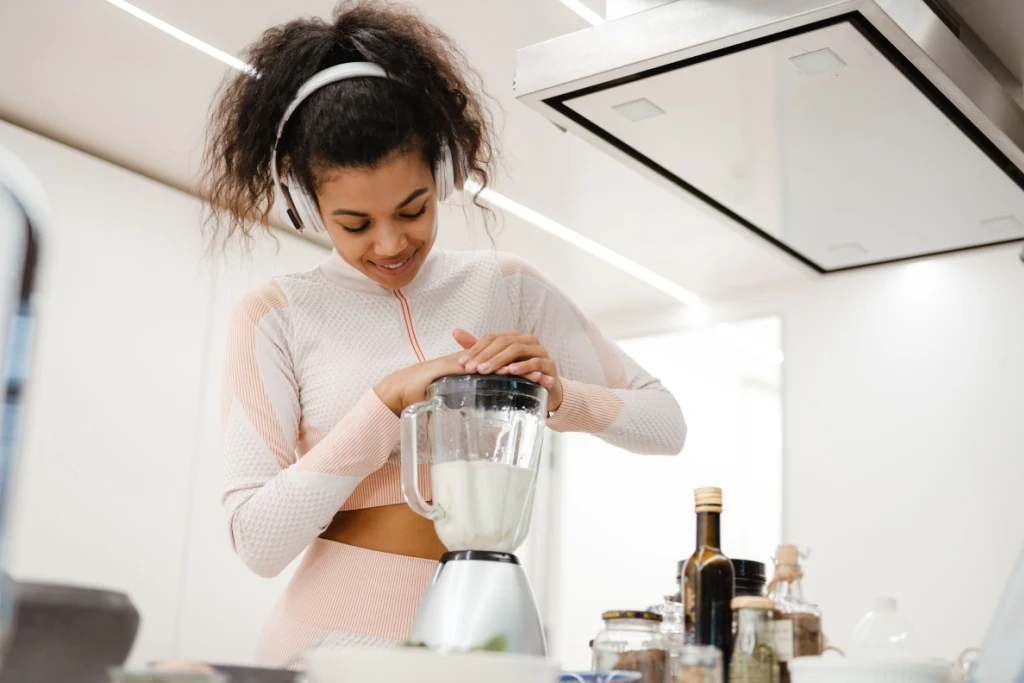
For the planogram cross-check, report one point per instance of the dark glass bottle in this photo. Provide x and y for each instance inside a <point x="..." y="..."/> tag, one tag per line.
<point x="708" y="581"/>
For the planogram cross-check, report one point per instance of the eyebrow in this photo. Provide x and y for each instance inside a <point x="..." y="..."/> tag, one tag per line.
<point x="401" y="205"/>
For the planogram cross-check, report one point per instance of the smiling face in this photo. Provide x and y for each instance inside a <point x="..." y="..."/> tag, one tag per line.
<point x="382" y="220"/>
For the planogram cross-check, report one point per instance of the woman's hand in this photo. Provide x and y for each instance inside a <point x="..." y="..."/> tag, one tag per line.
<point x="407" y="386"/>
<point x="511" y="353"/>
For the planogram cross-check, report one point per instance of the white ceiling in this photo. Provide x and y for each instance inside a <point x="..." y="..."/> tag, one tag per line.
<point x="94" y="77"/>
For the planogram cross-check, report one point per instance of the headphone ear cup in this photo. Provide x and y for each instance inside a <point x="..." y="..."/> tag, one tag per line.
<point x="309" y="212"/>
<point x="444" y="174"/>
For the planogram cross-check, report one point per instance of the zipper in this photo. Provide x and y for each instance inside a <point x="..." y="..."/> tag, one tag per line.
<point x="410" y="330"/>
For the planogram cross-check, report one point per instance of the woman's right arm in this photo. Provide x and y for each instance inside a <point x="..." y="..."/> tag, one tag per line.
<point x="277" y="505"/>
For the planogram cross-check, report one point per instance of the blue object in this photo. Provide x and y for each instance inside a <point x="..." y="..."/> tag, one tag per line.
<point x="599" y="677"/>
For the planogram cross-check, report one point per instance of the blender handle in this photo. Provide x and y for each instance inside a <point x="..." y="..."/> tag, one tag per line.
<point x="410" y="461"/>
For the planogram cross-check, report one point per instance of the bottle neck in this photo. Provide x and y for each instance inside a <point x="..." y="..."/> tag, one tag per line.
<point x="709" y="530"/>
<point x="787" y="589"/>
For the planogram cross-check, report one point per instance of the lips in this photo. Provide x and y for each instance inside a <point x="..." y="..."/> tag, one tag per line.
<point x="397" y="268"/>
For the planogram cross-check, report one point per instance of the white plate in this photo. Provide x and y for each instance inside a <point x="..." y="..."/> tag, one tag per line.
<point x="839" y="670"/>
<point x="417" y="665"/>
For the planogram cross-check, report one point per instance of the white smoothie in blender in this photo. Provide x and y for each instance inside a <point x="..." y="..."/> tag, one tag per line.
<point x="484" y="505"/>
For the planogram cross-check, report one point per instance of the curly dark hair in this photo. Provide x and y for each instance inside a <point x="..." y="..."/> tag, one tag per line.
<point x="433" y="97"/>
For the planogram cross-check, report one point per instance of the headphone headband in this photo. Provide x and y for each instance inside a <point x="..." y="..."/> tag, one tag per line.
<point x="301" y="208"/>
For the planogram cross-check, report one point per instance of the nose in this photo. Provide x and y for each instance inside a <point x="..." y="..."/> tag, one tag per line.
<point x="391" y="240"/>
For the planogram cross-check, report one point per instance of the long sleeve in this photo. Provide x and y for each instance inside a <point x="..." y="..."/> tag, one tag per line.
<point x="605" y="392"/>
<point x="278" y="504"/>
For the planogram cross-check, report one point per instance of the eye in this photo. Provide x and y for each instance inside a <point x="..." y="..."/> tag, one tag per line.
<point x="411" y="216"/>
<point x="359" y="228"/>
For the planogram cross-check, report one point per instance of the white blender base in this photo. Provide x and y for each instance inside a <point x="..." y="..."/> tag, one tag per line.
<point x="475" y="596"/>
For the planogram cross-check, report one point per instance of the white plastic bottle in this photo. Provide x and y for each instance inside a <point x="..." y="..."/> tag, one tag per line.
<point x="884" y="634"/>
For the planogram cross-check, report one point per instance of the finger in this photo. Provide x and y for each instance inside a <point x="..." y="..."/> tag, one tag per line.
<point x="538" y="363"/>
<point x="546" y="381"/>
<point x="512" y="353"/>
<point x="523" y="367"/>
<point x="464" y="338"/>
<point x="481" y="344"/>
<point x="496" y="346"/>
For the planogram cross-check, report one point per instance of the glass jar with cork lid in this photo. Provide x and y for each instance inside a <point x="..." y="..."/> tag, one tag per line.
<point x="753" y="654"/>
<point x="797" y="623"/>
<point x="631" y="641"/>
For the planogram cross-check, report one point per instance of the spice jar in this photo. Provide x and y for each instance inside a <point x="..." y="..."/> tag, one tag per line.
<point x="630" y="641"/>
<point x="753" y="652"/>
<point x="797" y="621"/>
<point x="697" y="664"/>
<point x="673" y="633"/>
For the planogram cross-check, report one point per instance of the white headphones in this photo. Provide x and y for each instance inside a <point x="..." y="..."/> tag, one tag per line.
<point x="301" y="207"/>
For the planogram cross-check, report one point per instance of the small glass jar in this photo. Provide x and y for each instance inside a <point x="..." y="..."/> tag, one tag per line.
<point x="753" y="652"/>
<point x="631" y="641"/>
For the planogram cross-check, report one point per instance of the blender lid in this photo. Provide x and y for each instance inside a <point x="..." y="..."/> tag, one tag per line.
<point x="479" y="555"/>
<point x="488" y="382"/>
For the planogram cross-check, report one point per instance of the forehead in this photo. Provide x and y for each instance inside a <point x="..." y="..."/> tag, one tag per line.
<point x="378" y="187"/>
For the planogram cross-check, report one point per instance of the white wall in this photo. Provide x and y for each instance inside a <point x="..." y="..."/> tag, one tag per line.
<point x="119" y="485"/>
<point x="903" y="391"/>
<point x="621" y="522"/>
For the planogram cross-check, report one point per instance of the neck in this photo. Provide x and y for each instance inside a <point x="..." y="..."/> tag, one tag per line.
<point x="709" y="530"/>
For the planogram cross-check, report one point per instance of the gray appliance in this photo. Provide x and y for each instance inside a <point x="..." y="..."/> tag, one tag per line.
<point x="51" y="633"/>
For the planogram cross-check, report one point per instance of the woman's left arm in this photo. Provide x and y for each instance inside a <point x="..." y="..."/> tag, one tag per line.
<point x="604" y="391"/>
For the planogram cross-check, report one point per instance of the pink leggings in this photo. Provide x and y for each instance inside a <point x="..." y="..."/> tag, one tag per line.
<point x="358" y="596"/>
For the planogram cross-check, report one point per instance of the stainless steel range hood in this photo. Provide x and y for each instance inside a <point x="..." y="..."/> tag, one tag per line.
<point x="847" y="133"/>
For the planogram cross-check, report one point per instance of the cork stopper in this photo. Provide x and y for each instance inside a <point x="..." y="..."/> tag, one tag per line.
<point x="788" y="555"/>
<point x="708" y="499"/>
<point x="752" y="602"/>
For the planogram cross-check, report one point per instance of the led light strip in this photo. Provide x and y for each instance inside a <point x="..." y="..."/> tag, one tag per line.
<point x="187" y="38"/>
<point x="579" y="8"/>
<point x="574" y="238"/>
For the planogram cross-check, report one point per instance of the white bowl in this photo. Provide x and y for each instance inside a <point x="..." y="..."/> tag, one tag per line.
<point x="417" y="665"/>
<point x="839" y="670"/>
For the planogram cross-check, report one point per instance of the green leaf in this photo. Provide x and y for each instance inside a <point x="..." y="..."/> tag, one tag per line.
<point x="495" y="644"/>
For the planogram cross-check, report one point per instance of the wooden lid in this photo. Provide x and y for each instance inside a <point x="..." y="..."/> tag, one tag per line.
<point x="708" y="499"/>
<point x="752" y="602"/>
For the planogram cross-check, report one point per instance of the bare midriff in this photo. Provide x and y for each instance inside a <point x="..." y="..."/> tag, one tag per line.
<point x="392" y="529"/>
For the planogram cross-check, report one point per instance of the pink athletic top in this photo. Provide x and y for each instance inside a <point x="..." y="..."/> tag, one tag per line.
<point x="305" y="434"/>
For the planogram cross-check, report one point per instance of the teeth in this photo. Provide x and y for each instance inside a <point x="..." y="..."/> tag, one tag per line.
<point x="396" y="266"/>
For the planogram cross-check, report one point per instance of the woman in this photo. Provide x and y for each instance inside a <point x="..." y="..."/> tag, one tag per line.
<point x="322" y="363"/>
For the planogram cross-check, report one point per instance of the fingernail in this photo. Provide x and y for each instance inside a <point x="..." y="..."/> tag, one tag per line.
<point x="513" y="368"/>
<point x="463" y="359"/>
<point x="486" y="367"/>
<point x="471" y="366"/>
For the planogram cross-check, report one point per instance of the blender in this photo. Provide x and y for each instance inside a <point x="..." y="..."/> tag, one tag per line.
<point x="481" y="436"/>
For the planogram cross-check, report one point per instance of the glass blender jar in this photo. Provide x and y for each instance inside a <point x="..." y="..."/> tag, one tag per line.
<point x="482" y="437"/>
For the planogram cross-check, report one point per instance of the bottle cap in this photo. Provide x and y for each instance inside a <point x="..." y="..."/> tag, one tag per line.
<point x="752" y="602"/>
<point x="885" y="605"/>
<point x="708" y="499"/>
<point x="646" y="615"/>
<point x="787" y="554"/>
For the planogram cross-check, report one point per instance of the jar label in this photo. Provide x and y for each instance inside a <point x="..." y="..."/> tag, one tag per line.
<point x="782" y="629"/>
